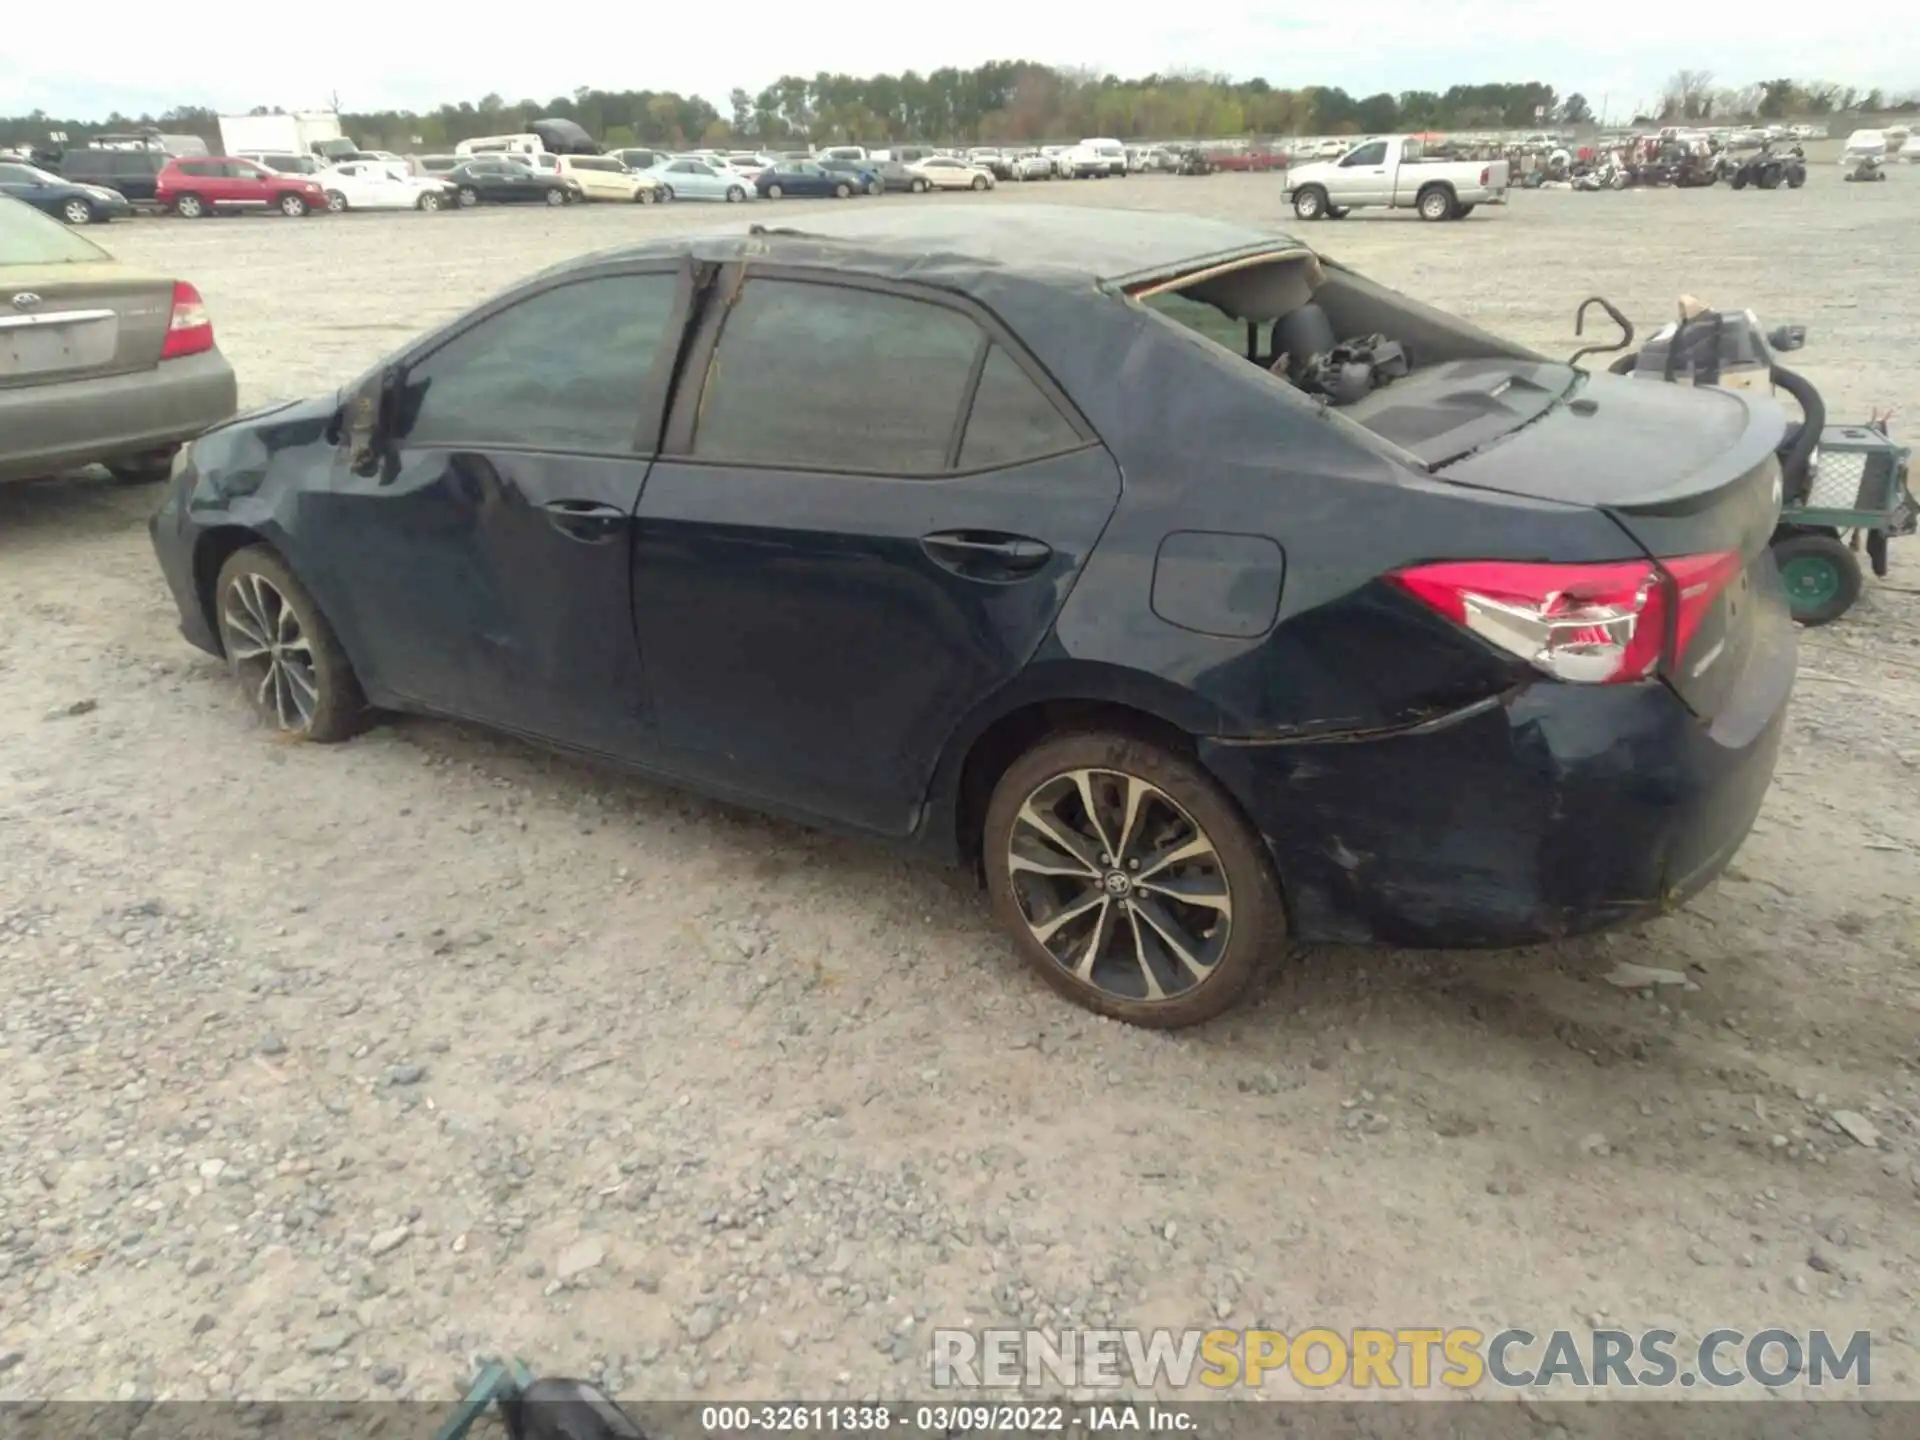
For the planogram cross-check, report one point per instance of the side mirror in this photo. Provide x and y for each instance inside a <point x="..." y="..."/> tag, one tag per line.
<point x="1787" y="337"/>
<point x="367" y="421"/>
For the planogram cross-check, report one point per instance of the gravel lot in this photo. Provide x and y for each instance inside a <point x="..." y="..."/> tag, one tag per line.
<point x="326" y="1068"/>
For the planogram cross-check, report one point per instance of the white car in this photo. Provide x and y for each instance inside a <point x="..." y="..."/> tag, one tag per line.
<point x="1035" y="167"/>
<point x="371" y="185"/>
<point x="944" y="172"/>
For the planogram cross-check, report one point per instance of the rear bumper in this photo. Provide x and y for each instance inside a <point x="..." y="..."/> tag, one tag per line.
<point x="1555" y="810"/>
<point x="55" y="427"/>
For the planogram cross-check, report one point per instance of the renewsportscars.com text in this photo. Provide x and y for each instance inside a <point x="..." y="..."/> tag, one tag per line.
<point x="1457" y="1358"/>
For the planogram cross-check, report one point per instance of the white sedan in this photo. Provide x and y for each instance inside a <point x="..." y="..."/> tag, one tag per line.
<point x="370" y="185"/>
<point x="943" y="172"/>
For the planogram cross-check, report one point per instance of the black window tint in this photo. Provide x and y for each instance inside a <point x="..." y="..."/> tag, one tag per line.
<point x="563" y="370"/>
<point x="200" y="168"/>
<point x="1012" y="418"/>
<point x="842" y="379"/>
<point x="1374" y="154"/>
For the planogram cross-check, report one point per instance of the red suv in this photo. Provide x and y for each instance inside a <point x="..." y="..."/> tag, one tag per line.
<point x="201" y="184"/>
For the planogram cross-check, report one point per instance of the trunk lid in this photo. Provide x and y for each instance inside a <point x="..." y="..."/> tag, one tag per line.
<point x="1684" y="472"/>
<point x="79" y="321"/>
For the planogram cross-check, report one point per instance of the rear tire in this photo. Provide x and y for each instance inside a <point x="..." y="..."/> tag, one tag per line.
<point x="189" y="207"/>
<point x="644" y="195"/>
<point x="1460" y="212"/>
<point x="468" y="197"/>
<point x="336" y="202"/>
<point x="979" y="182"/>
<point x="1122" y="958"/>
<point x="735" y="195"/>
<point x="282" y="651"/>
<point x="919" y="187"/>
<point x="1435" y="203"/>
<point x="1821" y="575"/>
<point x="843" y="191"/>
<point x="557" y="197"/>
<point x="666" y="192"/>
<point x="1339" y="212"/>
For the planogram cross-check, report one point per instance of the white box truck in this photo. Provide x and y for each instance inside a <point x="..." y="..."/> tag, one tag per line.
<point x="308" y="132"/>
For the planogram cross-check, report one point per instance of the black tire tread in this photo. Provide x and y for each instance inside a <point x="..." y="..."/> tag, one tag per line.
<point x="342" y="712"/>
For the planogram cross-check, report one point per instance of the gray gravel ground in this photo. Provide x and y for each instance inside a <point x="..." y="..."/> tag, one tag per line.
<point x="327" y="1068"/>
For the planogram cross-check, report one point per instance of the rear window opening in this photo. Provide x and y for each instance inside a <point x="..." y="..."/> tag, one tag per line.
<point x="28" y="237"/>
<point x="1430" y="383"/>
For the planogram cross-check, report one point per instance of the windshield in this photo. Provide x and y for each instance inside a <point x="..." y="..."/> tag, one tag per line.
<point x="29" y="238"/>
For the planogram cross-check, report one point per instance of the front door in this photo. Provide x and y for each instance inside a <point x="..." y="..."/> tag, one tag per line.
<point x="865" y="518"/>
<point x="482" y="569"/>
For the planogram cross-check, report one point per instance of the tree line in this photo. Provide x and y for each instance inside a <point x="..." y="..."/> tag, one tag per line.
<point x="1007" y="101"/>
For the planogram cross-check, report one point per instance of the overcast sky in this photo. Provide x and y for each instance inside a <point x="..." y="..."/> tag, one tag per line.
<point x="414" y="57"/>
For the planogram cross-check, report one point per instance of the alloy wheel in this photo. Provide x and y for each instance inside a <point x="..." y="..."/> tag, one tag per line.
<point x="77" y="212"/>
<point x="1120" y="885"/>
<point x="336" y="202"/>
<point x="271" y="652"/>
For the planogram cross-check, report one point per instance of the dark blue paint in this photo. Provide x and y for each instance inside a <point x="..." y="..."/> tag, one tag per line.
<point x="816" y="645"/>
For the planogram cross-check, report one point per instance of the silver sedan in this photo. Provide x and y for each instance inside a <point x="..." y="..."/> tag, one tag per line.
<point x="699" y="180"/>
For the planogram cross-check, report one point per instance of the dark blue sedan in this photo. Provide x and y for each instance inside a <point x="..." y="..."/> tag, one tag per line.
<point x="806" y="177"/>
<point x="963" y="531"/>
<point x="62" y="199"/>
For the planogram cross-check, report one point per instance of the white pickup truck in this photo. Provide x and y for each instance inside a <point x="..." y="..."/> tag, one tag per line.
<point x="1394" y="171"/>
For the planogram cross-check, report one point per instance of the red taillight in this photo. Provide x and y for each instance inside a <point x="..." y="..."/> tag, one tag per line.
<point x="1486" y="175"/>
<point x="1593" y="624"/>
<point x="189" y="331"/>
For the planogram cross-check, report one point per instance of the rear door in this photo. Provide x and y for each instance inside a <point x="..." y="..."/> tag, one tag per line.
<point x="68" y="310"/>
<point x="481" y="569"/>
<point x="869" y="509"/>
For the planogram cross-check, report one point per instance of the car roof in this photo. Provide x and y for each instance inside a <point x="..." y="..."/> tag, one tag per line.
<point x="1105" y="246"/>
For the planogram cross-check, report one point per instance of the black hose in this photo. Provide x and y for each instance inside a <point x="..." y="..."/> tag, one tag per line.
<point x="1793" y="468"/>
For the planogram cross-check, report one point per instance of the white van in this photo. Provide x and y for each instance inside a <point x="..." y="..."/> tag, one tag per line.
<point x="1107" y="157"/>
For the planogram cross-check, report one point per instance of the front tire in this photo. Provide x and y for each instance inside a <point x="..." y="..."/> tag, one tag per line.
<point x="148" y="469"/>
<point x="557" y="197"/>
<point x="644" y="195"/>
<point x="282" y="651"/>
<point x="77" y="211"/>
<point x="666" y="192"/>
<point x="843" y="191"/>
<point x="294" y="208"/>
<point x="1128" y="880"/>
<point x="735" y="195"/>
<point x="774" y="192"/>
<point x="920" y="187"/>
<point x="336" y="202"/>
<point x="979" y="182"/>
<point x="1310" y="203"/>
<point x="1821" y="576"/>
<point x="428" y="202"/>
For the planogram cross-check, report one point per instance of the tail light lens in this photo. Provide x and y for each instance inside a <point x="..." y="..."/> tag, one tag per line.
<point x="1486" y="175"/>
<point x="1590" y="624"/>
<point x="189" y="329"/>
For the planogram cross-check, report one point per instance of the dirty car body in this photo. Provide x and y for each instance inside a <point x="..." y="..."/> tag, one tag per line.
<point x="1497" y="658"/>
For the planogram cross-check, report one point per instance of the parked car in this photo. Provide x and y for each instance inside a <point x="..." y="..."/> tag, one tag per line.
<point x="689" y="179"/>
<point x="204" y="185"/>
<point x="366" y="185"/>
<point x="601" y="177"/>
<point x="436" y="164"/>
<point x="641" y="159"/>
<point x="1394" y="683"/>
<point x="805" y="177"/>
<point x="497" y="180"/>
<point x="63" y="199"/>
<point x="1395" y="172"/>
<point x="898" y="175"/>
<point x="944" y="172"/>
<point x="131" y="173"/>
<point x="102" y="363"/>
<point x="865" y="174"/>
<point x="1034" y="167"/>
<point x="285" y="162"/>
<point x="996" y="163"/>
